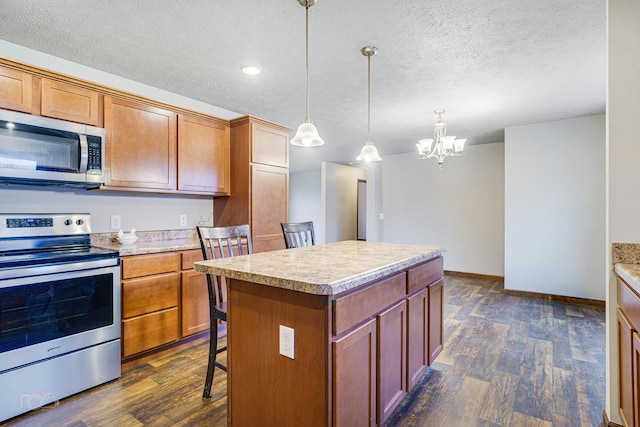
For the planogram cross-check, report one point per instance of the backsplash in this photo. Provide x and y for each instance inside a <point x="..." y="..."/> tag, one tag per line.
<point x="625" y="253"/>
<point x="147" y="236"/>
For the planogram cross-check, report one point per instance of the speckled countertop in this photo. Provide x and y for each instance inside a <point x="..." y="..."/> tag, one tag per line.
<point x="327" y="269"/>
<point x="626" y="260"/>
<point x="150" y="242"/>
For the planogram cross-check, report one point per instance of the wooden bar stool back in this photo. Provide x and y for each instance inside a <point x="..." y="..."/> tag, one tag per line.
<point x="298" y="234"/>
<point x="220" y="242"/>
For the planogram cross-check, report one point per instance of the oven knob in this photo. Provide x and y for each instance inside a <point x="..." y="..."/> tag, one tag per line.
<point x="79" y="221"/>
<point x="68" y="222"/>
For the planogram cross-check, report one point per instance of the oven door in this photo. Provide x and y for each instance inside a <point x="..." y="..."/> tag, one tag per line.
<point x="45" y="315"/>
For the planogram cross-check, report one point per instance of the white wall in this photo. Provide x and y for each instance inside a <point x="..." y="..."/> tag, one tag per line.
<point x="305" y="201"/>
<point x="623" y="152"/>
<point x="374" y="201"/>
<point x="340" y="200"/>
<point x="139" y="211"/>
<point x="555" y="207"/>
<point x="460" y="207"/>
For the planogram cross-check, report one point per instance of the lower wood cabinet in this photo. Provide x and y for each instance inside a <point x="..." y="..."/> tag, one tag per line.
<point x="163" y="301"/>
<point x="194" y="293"/>
<point x="417" y="337"/>
<point x="392" y="359"/>
<point x="436" y="303"/>
<point x="636" y="378"/>
<point x="628" y="317"/>
<point x="625" y="368"/>
<point x="354" y="377"/>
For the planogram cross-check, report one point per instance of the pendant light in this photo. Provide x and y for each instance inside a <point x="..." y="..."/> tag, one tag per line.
<point x="369" y="153"/>
<point x="307" y="134"/>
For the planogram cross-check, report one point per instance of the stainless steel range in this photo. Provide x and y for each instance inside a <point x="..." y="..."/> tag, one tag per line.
<point x="59" y="310"/>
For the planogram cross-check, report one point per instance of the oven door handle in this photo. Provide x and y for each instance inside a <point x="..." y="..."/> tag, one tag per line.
<point x="40" y="270"/>
<point x="84" y="153"/>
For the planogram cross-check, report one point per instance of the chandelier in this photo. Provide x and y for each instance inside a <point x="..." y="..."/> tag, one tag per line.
<point x="444" y="146"/>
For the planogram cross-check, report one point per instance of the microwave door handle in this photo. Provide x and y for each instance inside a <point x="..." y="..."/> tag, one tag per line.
<point x="84" y="153"/>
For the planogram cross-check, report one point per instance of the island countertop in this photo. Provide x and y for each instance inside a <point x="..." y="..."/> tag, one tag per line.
<point x="326" y="269"/>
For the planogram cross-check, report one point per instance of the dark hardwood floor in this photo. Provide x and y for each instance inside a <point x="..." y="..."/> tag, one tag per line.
<point x="507" y="361"/>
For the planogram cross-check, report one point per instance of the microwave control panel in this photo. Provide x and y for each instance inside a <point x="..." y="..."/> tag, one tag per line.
<point x="95" y="153"/>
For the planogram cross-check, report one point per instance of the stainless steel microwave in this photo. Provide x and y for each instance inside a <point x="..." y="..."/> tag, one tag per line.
<point x="41" y="151"/>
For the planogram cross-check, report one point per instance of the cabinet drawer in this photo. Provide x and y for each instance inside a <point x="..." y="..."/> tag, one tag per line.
<point x="629" y="302"/>
<point x="145" y="265"/>
<point x="424" y="274"/>
<point x="149" y="331"/>
<point x="352" y="309"/>
<point x="189" y="257"/>
<point x="149" y="294"/>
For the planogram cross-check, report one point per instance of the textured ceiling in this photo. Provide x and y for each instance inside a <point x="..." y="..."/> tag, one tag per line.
<point x="490" y="64"/>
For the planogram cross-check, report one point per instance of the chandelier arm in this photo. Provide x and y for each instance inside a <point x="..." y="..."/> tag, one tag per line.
<point x="369" y="98"/>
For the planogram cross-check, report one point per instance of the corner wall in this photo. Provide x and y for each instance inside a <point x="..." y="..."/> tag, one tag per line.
<point x="623" y="153"/>
<point x="555" y="207"/>
<point x="305" y="201"/>
<point x="460" y="207"/>
<point x="340" y="201"/>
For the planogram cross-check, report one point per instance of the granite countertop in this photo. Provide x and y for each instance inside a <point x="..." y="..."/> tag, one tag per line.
<point x="327" y="269"/>
<point x="625" y="258"/>
<point x="149" y="242"/>
<point x="630" y="273"/>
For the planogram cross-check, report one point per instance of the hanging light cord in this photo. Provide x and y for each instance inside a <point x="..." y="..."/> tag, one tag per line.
<point x="307" y="57"/>
<point x="368" y="98"/>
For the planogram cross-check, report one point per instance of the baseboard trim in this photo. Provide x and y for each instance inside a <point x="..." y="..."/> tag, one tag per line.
<point x="606" y="422"/>
<point x="474" y="275"/>
<point x="537" y="295"/>
<point x="558" y="298"/>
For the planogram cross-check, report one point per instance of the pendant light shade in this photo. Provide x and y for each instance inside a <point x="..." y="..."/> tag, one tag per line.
<point x="369" y="153"/>
<point x="307" y="134"/>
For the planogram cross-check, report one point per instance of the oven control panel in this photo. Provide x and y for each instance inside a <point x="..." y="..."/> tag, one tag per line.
<point x="43" y="225"/>
<point x="29" y="222"/>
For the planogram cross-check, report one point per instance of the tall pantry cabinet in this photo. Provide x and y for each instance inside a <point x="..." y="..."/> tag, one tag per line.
<point x="259" y="182"/>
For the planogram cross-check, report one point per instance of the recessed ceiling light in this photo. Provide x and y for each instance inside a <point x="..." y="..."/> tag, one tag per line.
<point x="10" y="125"/>
<point x="251" y="70"/>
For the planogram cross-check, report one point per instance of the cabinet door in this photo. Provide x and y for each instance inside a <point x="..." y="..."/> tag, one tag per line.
<point x="436" y="301"/>
<point x="636" y="378"/>
<point x="625" y="368"/>
<point x="354" y="378"/>
<point x="141" y="145"/>
<point x="16" y="90"/>
<point x="195" y="303"/>
<point x="203" y="156"/>
<point x="67" y="102"/>
<point x="269" y="146"/>
<point x="149" y="331"/>
<point x="269" y="206"/>
<point x="417" y="337"/>
<point x="392" y="368"/>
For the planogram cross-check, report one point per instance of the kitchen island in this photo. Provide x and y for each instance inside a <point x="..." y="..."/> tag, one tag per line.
<point x="366" y="320"/>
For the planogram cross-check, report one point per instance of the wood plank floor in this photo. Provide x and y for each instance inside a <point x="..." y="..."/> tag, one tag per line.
<point x="508" y="361"/>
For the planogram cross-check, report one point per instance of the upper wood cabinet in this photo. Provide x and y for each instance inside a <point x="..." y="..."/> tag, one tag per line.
<point x="260" y="175"/>
<point x="16" y="89"/>
<point x="140" y="145"/>
<point x="68" y="102"/>
<point x="270" y="145"/>
<point x="203" y="156"/>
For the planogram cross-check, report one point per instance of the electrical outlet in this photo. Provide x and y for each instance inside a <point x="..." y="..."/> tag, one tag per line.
<point x="116" y="223"/>
<point x="286" y="341"/>
<point x="183" y="220"/>
<point x="381" y="216"/>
